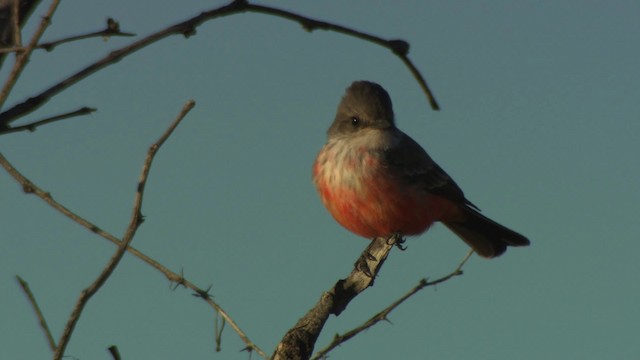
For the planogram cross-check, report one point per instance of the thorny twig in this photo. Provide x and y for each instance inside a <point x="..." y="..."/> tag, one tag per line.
<point x="134" y="224"/>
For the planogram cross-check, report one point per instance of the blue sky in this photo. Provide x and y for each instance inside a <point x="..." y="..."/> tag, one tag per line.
<point x="539" y="126"/>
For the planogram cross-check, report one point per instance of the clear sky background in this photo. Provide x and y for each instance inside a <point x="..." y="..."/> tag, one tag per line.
<point x="540" y="125"/>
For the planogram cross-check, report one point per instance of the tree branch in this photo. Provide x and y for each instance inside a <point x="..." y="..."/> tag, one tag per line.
<point x="15" y="23"/>
<point x="187" y="28"/>
<point x="43" y="323"/>
<point x="136" y="220"/>
<point x="30" y="188"/>
<point x="13" y="15"/>
<point x="23" y="57"/>
<point x="32" y="126"/>
<point x="382" y="315"/>
<point x="299" y="341"/>
<point x="112" y="29"/>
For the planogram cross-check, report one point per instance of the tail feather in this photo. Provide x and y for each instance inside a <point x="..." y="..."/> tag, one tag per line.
<point x="485" y="236"/>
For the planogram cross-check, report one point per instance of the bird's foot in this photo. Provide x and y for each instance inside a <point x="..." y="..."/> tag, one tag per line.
<point x="398" y="240"/>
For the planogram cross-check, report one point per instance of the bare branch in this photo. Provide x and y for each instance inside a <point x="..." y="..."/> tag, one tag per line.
<point x="187" y="28"/>
<point x="136" y="220"/>
<point x="23" y="57"/>
<point x="299" y="341"/>
<point x="32" y="126"/>
<point x="13" y="15"/>
<point x="112" y="29"/>
<point x="383" y="315"/>
<point x="43" y="323"/>
<point x="332" y="302"/>
<point x="15" y="23"/>
<point x="204" y="294"/>
<point x="30" y="188"/>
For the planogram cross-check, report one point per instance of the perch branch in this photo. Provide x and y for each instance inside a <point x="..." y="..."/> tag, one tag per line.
<point x="299" y="341"/>
<point x="382" y="315"/>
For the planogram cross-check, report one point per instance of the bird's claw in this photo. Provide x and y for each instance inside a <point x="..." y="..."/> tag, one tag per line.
<point x="398" y="240"/>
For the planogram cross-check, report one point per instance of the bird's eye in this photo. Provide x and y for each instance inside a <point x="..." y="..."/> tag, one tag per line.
<point x="355" y="121"/>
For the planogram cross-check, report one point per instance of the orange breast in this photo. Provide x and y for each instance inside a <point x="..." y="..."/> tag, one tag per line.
<point x="370" y="201"/>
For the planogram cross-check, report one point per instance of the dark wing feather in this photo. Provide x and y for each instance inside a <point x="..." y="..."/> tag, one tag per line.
<point x="417" y="168"/>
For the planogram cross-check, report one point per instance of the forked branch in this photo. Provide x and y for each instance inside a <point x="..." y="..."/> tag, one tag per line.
<point x="187" y="28"/>
<point x="135" y="222"/>
<point x="299" y="341"/>
<point x="383" y="315"/>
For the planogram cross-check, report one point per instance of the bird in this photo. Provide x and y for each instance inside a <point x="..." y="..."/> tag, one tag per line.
<point x="376" y="181"/>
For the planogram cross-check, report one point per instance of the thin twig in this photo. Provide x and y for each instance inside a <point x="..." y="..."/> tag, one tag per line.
<point x="136" y="220"/>
<point x="23" y="57"/>
<point x="32" y="126"/>
<point x="112" y="29"/>
<point x="187" y="28"/>
<point x="43" y="323"/>
<point x="382" y="315"/>
<point x="30" y="188"/>
<point x="204" y="294"/>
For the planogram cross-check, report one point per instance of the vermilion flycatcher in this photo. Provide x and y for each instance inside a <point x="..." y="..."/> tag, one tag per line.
<point x="377" y="181"/>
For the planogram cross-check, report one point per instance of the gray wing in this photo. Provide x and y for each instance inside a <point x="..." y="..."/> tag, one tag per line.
<point x="418" y="169"/>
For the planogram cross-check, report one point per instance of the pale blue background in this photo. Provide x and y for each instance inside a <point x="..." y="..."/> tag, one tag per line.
<point x="540" y="125"/>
